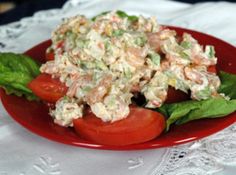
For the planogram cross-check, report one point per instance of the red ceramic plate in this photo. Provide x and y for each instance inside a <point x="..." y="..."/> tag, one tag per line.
<point x="34" y="116"/>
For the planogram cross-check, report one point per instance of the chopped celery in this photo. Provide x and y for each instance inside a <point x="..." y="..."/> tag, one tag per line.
<point x="186" y="44"/>
<point x="100" y="65"/>
<point x="140" y="41"/>
<point x="118" y="32"/>
<point x="184" y="55"/>
<point x="128" y="73"/>
<point x="210" y="51"/>
<point x="156" y="58"/>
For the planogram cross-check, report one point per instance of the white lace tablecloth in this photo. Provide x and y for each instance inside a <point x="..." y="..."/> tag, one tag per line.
<point x="23" y="153"/>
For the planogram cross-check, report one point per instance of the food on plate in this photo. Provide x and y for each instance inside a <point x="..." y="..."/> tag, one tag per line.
<point x="115" y="76"/>
<point x="16" y="71"/>
<point x="141" y="125"/>
<point x="47" y="88"/>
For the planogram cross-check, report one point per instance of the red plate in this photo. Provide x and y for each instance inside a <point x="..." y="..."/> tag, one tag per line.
<point x="34" y="116"/>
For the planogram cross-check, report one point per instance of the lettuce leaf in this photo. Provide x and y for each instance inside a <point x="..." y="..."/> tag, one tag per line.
<point x="16" y="71"/>
<point x="228" y="84"/>
<point x="183" y="112"/>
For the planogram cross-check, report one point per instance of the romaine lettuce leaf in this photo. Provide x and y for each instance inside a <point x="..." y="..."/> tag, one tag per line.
<point x="183" y="112"/>
<point x="228" y="84"/>
<point x="16" y="71"/>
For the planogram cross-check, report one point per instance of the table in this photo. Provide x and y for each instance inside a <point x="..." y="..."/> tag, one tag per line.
<point x="23" y="153"/>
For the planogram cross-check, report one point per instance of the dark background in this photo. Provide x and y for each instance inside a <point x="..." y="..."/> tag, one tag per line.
<point x="25" y="8"/>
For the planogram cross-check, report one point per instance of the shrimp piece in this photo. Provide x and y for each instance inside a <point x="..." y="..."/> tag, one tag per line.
<point x="176" y="59"/>
<point x="166" y="34"/>
<point x="97" y="93"/>
<point x="49" y="67"/>
<point x="79" y="81"/>
<point x="194" y="75"/>
<point x="197" y="55"/>
<point x="136" y="56"/>
<point x="154" y="41"/>
<point x="108" y="113"/>
<point x="201" y="60"/>
<point x="155" y="91"/>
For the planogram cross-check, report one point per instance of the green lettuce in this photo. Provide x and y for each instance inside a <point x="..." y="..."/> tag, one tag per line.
<point x="16" y="71"/>
<point x="228" y="84"/>
<point x="183" y="112"/>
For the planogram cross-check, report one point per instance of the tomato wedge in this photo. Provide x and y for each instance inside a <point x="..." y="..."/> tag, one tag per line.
<point x="47" y="88"/>
<point x="174" y="96"/>
<point x="140" y="126"/>
<point x="49" y="56"/>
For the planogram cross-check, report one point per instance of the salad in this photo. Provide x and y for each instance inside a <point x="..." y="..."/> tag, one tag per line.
<point x="113" y="78"/>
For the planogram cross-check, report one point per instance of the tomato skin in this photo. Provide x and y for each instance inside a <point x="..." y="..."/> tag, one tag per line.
<point x="174" y="96"/>
<point x="49" y="56"/>
<point x="47" y="88"/>
<point x="212" y="69"/>
<point x="140" y="126"/>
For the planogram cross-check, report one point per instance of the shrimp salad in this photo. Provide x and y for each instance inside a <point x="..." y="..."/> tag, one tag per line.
<point x="106" y="60"/>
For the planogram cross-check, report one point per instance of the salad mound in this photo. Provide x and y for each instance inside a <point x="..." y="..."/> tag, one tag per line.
<point x="107" y="60"/>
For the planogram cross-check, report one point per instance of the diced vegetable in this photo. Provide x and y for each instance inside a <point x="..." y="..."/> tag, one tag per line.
<point x="122" y="14"/>
<point x="156" y="58"/>
<point x="210" y="51"/>
<point x="186" y="45"/>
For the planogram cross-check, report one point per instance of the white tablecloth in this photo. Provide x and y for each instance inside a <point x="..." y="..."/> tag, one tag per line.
<point x="23" y="153"/>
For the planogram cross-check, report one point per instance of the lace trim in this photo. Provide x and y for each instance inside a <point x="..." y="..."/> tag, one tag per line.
<point x="204" y="157"/>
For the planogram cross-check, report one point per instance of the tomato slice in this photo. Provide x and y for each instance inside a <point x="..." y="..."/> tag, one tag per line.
<point x="174" y="96"/>
<point x="49" y="56"/>
<point x="47" y="88"/>
<point x="140" y="126"/>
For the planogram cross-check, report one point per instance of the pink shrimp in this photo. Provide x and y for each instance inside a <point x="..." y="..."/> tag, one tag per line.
<point x="193" y="74"/>
<point x="78" y="82"/>
<point x="98" y="92"/>
<point x="136" y="57"/>
<point x="154" y="41"/>
<point x="49" y="67"/>
<point x="201" y="60"/>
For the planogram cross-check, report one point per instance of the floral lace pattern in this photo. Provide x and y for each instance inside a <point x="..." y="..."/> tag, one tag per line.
<point x="204" y="157"/>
